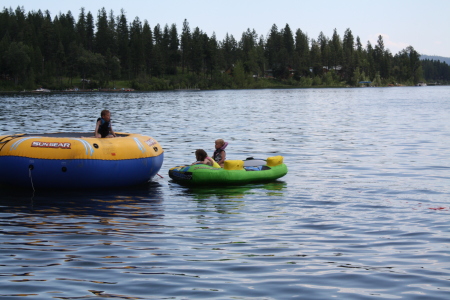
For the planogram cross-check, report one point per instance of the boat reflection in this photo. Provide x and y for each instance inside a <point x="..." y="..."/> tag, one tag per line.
<point x="235" y="192"/>
<point x="230" y="199"/>
<point x="141" y="201"/>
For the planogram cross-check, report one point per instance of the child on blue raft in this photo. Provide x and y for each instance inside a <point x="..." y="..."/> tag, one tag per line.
<point x="103" y="127"/>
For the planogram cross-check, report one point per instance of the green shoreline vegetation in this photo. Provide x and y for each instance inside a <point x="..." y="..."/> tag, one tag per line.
<point x="110" y="53"/>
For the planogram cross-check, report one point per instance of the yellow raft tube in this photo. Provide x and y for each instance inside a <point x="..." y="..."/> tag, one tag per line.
<point x="74" y="160"/>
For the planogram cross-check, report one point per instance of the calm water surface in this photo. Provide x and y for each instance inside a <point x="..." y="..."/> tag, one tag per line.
<point x="364" y="212"/>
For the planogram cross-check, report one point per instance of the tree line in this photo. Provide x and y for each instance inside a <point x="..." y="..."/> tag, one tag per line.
<point x="436" y="71"/>
<point x="64" y="51"/>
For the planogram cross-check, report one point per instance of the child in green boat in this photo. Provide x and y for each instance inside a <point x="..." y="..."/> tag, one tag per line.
<point x="219" y="154"/>
<point x="203" y="158"/>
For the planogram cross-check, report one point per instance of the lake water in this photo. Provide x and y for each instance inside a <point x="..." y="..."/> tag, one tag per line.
<point x="363" y="213"/>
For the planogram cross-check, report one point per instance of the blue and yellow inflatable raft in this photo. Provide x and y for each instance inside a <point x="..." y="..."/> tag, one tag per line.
<point x="70" y="160"/>
<point x="234" y="172"/>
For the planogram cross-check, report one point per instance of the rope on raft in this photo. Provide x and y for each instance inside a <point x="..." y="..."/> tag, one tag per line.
<point x="31" y="178"/>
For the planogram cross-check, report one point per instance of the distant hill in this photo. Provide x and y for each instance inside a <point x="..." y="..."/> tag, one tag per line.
<point x="434" y="57"/>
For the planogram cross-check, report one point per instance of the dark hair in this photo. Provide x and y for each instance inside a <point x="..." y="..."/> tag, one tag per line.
<point x="200" y="154"/>
<point x="104" y="112"/>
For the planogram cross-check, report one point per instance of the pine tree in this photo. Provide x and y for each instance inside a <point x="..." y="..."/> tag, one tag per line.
<point x="273" y="47"/>
<point x="81" y="28"/>
<point x="211" y="55"/>
<point x="158" y="66"/>
<point x="336" y="50"/>
<point x="348" y="64"/>
<point x="147" y="38"/>
<point x="102" y="37"/>
<point x="229" y="51"/>
<point x="89" y="32"/>
<point x="17" y="60"/>
<point x="302" y="52"/>
<point x="185" y="45"/>
<point x="288" y="44"/>
<point x="322" y="41"/>
<point x="123" y="41"/>
<point x="112" y="34"/>
<point x="248" y="52"/>
<point x="136" y="48"/>
<point x="174" y="44"/>
<point x="48" y="45"/>
<point x="197" y="51"/>
<point x="316" y="59"/>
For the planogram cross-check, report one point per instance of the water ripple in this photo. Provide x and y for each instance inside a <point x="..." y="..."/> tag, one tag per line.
<point x="362" y="213"/>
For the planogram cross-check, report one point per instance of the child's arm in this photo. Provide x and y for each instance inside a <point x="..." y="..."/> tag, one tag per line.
<point x="112" y="131"/>
<point x="204" y="162"/>
<point x="224" y="156"/>
<point x="208" y="162"/>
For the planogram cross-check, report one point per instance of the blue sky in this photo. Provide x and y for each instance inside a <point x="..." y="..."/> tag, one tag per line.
<point x="425" y="25"/>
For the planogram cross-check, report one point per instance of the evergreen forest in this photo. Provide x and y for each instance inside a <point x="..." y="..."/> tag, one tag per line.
<point x="111" y="52"/>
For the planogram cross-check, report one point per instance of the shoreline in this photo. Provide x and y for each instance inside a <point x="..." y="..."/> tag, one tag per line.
<point x="197" y="90"/>
<point x="129" y="90"/>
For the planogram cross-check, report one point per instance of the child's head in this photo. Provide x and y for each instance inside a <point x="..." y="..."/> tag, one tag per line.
<point x="200" y="154"/>
<point x="105" y="114"/>
<point x="219" y="143"/>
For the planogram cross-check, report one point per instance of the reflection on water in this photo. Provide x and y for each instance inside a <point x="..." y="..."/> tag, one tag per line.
<point x="362" y="213"/>
<point x="230" y="199"/>
<point x="231" y="192"/>
<point x="78" y="203"/>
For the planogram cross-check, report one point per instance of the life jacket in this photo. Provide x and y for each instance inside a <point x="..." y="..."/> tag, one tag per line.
<point x="218" y="152"/>
<point x="104" y="128"/>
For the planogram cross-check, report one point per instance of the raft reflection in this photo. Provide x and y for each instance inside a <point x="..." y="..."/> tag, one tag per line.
<point x="230" y="199"/>
<point x="129" y="202"/>
<point x="236" y="192"/>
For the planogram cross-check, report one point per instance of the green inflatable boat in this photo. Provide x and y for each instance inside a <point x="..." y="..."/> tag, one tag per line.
<point x="234" y="172"/>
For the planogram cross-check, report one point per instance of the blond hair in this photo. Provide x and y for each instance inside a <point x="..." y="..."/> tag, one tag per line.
<point x="220" y="141"/>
